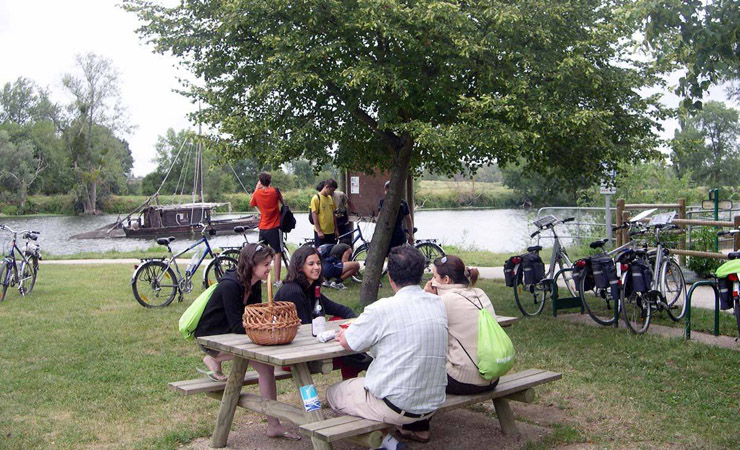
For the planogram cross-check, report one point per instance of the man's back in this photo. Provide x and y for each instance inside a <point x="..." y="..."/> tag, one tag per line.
<point x="407" y="336"/>
<point x="267" y="200"/>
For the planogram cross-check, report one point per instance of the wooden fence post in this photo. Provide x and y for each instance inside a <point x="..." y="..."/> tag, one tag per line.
<point x="625" y="232"/>
<point x="736" y="238"/>
<point x="682" y="239"/>
<point x="620" y="210"/>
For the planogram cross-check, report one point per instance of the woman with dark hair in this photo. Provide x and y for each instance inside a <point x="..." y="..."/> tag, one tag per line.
<point x="304" y="276"/>
<point x="454" y="283"/>
<point x="223" y="314"/>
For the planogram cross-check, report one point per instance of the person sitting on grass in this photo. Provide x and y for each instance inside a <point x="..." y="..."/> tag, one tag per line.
<point x="223" y="314"/>
<point x="454" y="283"/>
<point x="304" y="276"/>
<point x="337" y="266"/>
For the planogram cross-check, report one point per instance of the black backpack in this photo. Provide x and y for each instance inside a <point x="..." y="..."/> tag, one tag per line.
<point x="287" y="219"/>
<point x="310" y="215"/>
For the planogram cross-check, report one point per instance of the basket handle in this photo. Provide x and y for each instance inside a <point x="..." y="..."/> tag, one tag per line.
<point x="269" y="288"/>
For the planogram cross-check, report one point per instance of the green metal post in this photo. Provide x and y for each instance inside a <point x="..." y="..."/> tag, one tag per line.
<point x="716" y="218"/>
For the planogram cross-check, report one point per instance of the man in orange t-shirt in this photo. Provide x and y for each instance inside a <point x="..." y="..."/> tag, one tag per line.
<point x="268" y="200"/>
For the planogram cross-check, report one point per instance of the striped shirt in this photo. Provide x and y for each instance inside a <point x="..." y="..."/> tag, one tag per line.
<point x="407" y="336"/>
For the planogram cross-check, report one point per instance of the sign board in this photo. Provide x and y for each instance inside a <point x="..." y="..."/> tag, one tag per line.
<point x="607" y="190"/>
<point x="365" y="191"/>
<point x="608" y="182"/>
<point x="723" y="204"/>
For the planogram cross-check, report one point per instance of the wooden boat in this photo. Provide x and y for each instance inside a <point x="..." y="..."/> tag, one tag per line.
<point x="182" y="220"/>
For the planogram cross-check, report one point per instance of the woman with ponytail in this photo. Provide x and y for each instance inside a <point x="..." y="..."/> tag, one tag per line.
<point x="455" y="284"/>
<point x="223" y="314"/>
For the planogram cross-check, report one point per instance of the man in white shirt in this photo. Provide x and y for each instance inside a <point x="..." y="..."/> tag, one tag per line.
<point x="407" y="336"/>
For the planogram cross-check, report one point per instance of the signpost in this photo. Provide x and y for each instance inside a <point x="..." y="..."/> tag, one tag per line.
<point x="607" y="189"/>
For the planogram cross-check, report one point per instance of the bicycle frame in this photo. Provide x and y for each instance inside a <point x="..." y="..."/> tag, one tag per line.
<point x="189" y="274"/>
<point x="10" y="261"/>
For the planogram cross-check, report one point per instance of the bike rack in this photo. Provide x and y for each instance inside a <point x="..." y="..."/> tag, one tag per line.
<point x="716" y="306"/>
<point x="565" y="302"/>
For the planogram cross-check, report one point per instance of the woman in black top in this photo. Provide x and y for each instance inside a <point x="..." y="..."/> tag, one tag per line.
<point x="223" y="314"/>
<point x="304" y="275"/>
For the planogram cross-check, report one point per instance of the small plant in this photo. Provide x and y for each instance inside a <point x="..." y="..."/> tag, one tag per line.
<point x="703" y="240"/>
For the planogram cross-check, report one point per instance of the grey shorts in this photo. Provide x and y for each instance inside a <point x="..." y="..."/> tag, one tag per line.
<point x="210" y="352"/>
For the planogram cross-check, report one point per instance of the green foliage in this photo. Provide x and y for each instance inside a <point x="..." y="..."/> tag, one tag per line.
<point x="703" y="239"/>
<point x="706" y="146"/>
<point x="700" y="37"/>
<point x="467" y="83"/>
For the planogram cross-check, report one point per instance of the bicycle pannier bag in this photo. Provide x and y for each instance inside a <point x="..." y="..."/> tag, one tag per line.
<point x="642" y="277"/>
<point x="287" y="219"/>
<point x="604" y="271"/>
<point x="533" y="269"/>
<point x="510" y="271"/>
<point x="579" y="270"/>
<point x="191" y="317"/>
<point x="724" y="285"/>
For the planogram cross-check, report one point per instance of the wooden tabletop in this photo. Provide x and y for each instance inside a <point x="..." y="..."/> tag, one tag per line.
<point x="304" y="348"/>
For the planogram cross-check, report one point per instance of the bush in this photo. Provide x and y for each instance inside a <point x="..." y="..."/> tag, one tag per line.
<point x="703" y="240"/>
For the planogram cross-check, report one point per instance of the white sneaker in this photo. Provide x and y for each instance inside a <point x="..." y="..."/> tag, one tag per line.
<point x="326" y="283"/>
<point x="277" y="284"/>
<point x="339" y="286"/>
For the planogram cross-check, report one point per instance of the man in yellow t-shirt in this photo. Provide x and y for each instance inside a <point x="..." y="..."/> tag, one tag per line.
<point x="322" y="210"/>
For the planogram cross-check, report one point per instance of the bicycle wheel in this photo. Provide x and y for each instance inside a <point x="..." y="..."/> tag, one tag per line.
<point x="431" y="251"/>
<point x="286" y="256"/>
<point x="359" y="255"/>
<point x="154" y="284"/>
<point x="231" y="253"/>
<point x="597" y="302"/>
<point x="564" y="263"/>
<point x="530" y="299"/>
<point x="4" y="279"/>
<point x="636" y="310"/>
<point x="28" y="275"/>
<point x="217" y="268"/>
<point x="674" y="290"/>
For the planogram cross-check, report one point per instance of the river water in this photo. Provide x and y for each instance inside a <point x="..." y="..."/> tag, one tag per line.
<point x="497" y="230"/>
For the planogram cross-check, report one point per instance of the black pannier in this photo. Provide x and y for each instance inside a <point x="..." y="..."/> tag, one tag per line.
<point x="724" y="285"/>
<point x="604" y="271"/>
<point x="533" y="269"/>
<point x="642" y="277"/>
<point x="512" y="271"/>
<point x="580" y="268"/>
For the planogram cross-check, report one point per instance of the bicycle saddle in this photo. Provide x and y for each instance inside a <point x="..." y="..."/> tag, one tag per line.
<point x="733" y="255"/>
<point x="239" y="229"/>
<point x="598" y="244"/>
<point x="165" y="241"/>
<point x="534" y="248"/>
<point x="30" y="236"/>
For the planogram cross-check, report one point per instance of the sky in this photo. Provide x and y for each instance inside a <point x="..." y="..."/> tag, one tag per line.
<point x="40" y="38"/>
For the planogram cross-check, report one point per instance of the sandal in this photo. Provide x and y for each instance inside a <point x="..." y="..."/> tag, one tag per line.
<point x="214" y="375"/>
<point x="411" y="436"/>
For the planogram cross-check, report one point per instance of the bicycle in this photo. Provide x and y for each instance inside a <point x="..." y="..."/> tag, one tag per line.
<point x="155" y="284"/>
<point x="233" y="252"/>
<point x="25" y="275"/>
<point x="638" y="296"/>
<point x="538" y="284"/>
<point x="428" y="247"/>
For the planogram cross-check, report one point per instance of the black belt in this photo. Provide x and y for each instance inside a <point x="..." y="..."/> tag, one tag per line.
<point x="398" y="410"/>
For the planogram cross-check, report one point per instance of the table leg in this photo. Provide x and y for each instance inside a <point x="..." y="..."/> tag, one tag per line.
<point x="228" y="403"/>
<point x="505" y="416"/>
<point x="302" y="377"/>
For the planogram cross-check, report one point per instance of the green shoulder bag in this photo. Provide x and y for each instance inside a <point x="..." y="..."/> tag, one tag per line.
<point x="191" y="317"/>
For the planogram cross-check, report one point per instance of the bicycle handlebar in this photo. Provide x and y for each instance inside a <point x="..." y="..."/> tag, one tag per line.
<point x="534" y="234"/>
<point x="728" y="232"/>
<point x="569" y="219"/>
<point x="21" y="232"/>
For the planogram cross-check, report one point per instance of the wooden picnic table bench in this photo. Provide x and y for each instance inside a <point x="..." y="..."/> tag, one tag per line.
<point x="305" y="356"/>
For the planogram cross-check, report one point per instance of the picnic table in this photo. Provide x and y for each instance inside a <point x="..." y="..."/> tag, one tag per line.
<point x="303" y="352"/>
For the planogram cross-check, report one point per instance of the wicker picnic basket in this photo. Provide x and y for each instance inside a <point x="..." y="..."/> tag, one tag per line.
<point x="271" y="323"/>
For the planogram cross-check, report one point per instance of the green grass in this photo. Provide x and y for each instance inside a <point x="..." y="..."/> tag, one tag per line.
<point x="83" y="365"/>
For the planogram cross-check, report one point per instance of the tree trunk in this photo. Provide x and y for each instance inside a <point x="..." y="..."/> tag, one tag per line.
<point x="93" y="190"/>
<point x="23" y="197"/>
<point x="387" y="219"/>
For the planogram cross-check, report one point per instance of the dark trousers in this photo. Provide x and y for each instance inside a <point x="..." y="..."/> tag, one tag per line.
<point x="454" y="387"/>
<point x="327" y="239"/>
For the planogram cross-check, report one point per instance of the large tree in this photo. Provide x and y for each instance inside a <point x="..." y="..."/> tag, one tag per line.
<point x="403" y="85"/>
<point x="96" y="103"/>
<point x="19" y="167"/>
<point x="707" y="145"/>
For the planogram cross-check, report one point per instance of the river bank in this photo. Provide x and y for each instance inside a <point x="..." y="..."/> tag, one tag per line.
<point x="429" y="195"/>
